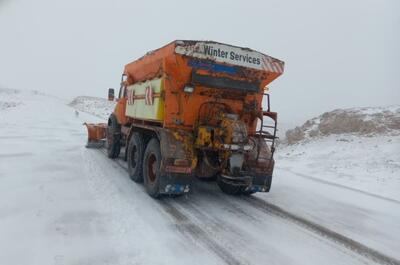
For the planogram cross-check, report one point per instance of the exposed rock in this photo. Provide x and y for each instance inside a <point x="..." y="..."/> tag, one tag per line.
<point x="295" y="135"/>
<point x="360" y="121"/>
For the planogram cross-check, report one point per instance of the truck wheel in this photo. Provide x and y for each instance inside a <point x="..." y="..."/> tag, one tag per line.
<point x="135" y="157"/>
<point x="151" y="168"/>
<point x="113" y="137"/>
<point x="229" y="188"/>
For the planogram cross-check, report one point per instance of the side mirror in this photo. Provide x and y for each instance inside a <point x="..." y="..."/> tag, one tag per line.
<point x="111" y="96"/>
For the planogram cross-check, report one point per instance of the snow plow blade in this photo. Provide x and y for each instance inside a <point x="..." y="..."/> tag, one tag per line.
<point x="96" y="134"/>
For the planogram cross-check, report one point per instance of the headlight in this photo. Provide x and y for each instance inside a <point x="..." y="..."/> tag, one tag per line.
<point x="188" y="89"/>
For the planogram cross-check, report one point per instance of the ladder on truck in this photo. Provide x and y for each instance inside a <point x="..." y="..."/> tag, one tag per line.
<point x="267" y="132"/>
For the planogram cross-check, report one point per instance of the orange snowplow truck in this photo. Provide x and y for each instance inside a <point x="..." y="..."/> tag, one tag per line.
<point x="194" y="109"/>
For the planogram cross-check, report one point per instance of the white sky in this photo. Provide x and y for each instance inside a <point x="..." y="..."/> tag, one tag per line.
<point x="338" y="53"/>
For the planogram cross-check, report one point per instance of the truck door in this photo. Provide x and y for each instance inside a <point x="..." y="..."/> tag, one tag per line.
<point x="120" y="108"/>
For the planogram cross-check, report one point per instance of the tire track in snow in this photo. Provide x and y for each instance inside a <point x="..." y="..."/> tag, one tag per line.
<point x="347" y="242"/>
<point x="189" y="229"/>
<point x="272" y="209"/>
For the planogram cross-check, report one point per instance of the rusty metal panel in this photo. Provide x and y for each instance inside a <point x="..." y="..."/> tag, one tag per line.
<point x="177" y="145"/>
<point x="259" y="159"/>
<point x="225" y="83"/>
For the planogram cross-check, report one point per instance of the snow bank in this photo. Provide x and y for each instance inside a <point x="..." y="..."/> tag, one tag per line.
<point x="99" y="107"/>
<point x="359" y="121"/>
<point x="357" y="147"/>
<point x="367" y="163"/>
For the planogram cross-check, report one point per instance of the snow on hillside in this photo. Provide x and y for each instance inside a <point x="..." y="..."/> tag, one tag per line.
<point x="11" y="96"/>
<point x="99" y="107"/>
<point x="357" y="147"/>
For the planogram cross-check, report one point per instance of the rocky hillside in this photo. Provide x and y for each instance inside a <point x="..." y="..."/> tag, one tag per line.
<point x="357" y="148"/>
<point x="370" y="121"/>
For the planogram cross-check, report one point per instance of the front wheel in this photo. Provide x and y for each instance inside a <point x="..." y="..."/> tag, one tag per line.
<point x="113" y="137"/>
<point x="151" y="168"/>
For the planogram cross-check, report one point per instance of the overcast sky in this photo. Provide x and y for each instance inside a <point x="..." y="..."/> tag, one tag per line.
<point x="339" y="53"/>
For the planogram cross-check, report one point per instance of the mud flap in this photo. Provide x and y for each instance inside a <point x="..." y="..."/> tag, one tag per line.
<point x="260" y="184"/>
<point x="175" y="184"/>
<point x="178" y="161"/>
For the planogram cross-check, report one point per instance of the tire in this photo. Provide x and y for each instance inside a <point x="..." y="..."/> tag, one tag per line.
<point x="151" y="168"/>
<point x="135" y="157"/>
<point x="113" y="137"/>
<point x="228" y="188"/>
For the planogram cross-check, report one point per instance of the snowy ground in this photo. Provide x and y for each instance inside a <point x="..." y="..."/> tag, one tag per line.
<point x="63" y="204"/>
<point x="370" y="164"/>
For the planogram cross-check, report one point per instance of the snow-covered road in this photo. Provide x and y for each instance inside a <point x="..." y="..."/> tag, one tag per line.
<point x="63" y="204"/>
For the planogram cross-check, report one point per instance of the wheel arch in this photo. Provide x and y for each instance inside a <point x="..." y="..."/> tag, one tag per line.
<point x="146" y="131"/>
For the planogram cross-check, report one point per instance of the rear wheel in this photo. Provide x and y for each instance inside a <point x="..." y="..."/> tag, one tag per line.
<point x="113" y="137"/>
<point x="229" y="188"/>
<point x="151" y="168"/>
<point x="135" y="157"/>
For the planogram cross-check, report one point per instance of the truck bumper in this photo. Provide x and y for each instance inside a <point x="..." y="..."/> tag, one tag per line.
<point x="253" y="182"/>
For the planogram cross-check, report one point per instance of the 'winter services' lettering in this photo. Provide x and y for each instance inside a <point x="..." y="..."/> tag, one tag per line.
<point x="218" y="52"/>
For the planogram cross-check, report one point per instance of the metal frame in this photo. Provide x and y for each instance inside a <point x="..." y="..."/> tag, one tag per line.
<point x="268" y="132"/>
